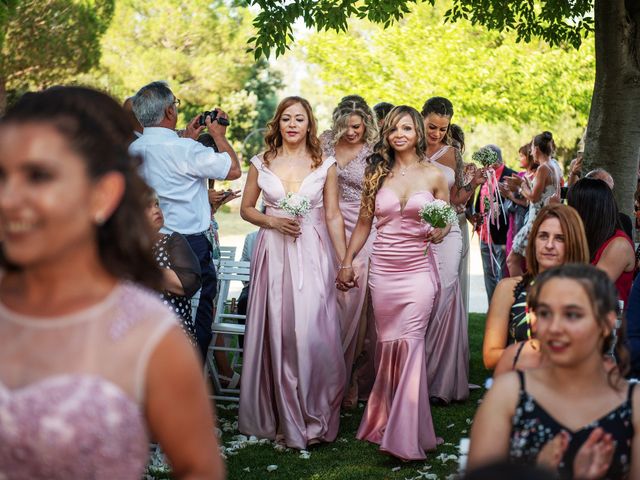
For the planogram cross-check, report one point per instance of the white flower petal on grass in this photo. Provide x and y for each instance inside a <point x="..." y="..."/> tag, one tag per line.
<point x="305" y="455"/>
<point x="272" y="468"/>
<point x="278" y="447"/>
<point x="246" y="469"/>
<point x="451" y="425"/>
<point x="396" y="469"/>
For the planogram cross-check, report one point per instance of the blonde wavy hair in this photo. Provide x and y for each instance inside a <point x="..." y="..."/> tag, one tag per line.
<point x="350" y="106"/>
<point x="273" y="136"/>
<point x="380" y="163"/>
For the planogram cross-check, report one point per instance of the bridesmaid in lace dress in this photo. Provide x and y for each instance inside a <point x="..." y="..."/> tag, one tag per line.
<point x="350" y="141"/>
<point x="403" y="281"/>
<point x="293" y="373"/>
<point x="447" y="340"/>
<point x="91" y="364"/>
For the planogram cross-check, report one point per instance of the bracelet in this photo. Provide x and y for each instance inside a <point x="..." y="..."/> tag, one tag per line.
<point x="344" y="267"/>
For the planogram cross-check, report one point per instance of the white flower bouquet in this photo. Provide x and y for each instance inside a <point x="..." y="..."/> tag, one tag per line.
<point x="486" y="157"/>
<point x="438" y="214"/>
<point x="295" y="205"/>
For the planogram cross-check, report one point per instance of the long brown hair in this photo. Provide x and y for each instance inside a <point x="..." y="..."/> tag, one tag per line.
<point x="575" y="239"/>
<point x="273" y="137"/>
<point x="380" y="163"/>
<point x="99" y="130"/>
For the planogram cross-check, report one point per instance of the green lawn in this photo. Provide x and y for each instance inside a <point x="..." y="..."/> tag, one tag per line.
<point x="350" y="459"/>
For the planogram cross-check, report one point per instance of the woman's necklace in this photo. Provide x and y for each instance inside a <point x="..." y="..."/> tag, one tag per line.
<point x="404" y="170"/>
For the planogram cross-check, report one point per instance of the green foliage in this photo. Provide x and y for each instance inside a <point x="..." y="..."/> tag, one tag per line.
<point x="48" y="41"/>
<point x="556" y="21"/>
<point x="489" y="76"/>
<point x="198" y="47"/>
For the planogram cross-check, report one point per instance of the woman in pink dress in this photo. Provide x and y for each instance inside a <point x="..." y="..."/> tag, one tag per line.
<point x="403" y="281"/>
<point x="92" y="365"/>
<point x="447" y="339"/>
<point x="293" y="371"/>
<point x="350" y="141"/>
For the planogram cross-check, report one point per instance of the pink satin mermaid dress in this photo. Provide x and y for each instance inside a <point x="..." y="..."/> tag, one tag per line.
<point x="447" y="338"/>
<point x="404" y="286"/>
<point x="293" y="373"/>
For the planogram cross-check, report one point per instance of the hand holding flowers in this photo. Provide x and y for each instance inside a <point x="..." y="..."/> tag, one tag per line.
<point x="297" y="206"/>
<point x="440" y="215"/>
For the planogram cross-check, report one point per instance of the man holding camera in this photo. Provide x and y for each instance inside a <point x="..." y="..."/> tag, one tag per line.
<point x="177" y="168"/>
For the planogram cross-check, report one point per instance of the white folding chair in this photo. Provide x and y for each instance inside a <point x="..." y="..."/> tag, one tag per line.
<point x="229" y="325"/>
<point x="226" y="253"/>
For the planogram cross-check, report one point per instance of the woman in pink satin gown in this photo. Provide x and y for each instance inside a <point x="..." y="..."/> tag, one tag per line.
<point x="293" y="374"/>
<point x="403" y="281"/>
<point x="447" y="339"/>
<point x="350" y="141"/>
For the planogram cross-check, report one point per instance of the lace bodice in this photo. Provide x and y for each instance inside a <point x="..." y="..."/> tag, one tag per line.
<point x="72" y="388"/>
<point x="350" y="177"/>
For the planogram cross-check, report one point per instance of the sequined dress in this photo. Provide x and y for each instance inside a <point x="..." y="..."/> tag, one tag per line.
<point x="72" y="388"/>
<point x="354" y="303"/>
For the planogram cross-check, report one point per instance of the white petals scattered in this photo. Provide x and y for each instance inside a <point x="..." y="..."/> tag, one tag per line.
<point x="445" y="457"/>
<point x="271" y="468"/>
<point x="451" y="425"/>
<point x="395" y="469"/>
<point x="246" y="469"/>
<point x="305" y="455"/>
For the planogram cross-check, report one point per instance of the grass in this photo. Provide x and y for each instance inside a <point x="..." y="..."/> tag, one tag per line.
<point x="350" y="459"/>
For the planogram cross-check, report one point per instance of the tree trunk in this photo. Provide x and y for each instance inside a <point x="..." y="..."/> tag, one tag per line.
<point x="613" y="132"/>
<point x="3" y="95"/>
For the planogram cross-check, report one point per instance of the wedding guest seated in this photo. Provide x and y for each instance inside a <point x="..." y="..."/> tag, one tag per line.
<point x="633" y="328"/>
<point x="611" y="249"/>
<point x="180" y="269"/>
<point x="574" y="415"/>
<point x="557" y="237"/>
<point x="92" y="364"/>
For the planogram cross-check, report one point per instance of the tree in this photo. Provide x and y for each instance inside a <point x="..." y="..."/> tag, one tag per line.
<point x="198" y="47"/>
<point x="43" y="42"/>
<point x="490" y="78"/>
<point x="613" y="136"/>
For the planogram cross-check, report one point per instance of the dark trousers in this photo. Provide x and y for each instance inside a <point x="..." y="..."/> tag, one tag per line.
<point x="204" y="316"/>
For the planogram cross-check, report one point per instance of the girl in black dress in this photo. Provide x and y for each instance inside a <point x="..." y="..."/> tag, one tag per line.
<point x="577" y="414"/>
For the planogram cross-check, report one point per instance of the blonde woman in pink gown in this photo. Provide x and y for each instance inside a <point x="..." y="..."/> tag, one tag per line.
<point x="293" y="374"/>
<point x="350" y="141"/>
<point x="447" y="338"/>
<point x="403" y="281"/>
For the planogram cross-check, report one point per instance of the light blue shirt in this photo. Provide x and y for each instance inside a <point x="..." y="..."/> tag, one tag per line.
<point x="178" y="169"/>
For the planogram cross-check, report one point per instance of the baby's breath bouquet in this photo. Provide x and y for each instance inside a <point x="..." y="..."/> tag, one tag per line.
<point x="486" y="157"/>
<point x="295" y="205"/>
<point x="438" y="214"/>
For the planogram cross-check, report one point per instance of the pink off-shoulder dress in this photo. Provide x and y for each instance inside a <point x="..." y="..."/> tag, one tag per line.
<point x="293" y="374"/>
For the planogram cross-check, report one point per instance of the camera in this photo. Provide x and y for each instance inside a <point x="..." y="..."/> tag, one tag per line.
<point x="213" y="115"/>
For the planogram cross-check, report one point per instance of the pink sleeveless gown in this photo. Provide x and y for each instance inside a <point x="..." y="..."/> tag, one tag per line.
<point x="72" y="388"/>
<point x="352" y="303"/>
<point x="404" y="286"/>
<point x="293" y="372"/>
<point x="447" y="337"/>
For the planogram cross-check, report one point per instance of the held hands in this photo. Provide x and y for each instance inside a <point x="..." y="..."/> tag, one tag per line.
<point x="347" y="278"/>
<point x="217" y="198"/>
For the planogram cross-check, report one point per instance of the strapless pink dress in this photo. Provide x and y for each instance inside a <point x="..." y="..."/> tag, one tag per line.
<point x="404" y="285"/>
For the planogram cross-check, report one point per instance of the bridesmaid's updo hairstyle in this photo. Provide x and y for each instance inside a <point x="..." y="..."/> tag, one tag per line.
<point x="273" y="137"/>
<point x="603" y="297"/>
<point x="439" y="106"/>
<point x="544" y="143"/>
<point x="99" y="131"/>
<point x="380" y="163"/>
<point x="342" y="113"/>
